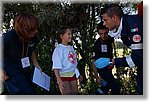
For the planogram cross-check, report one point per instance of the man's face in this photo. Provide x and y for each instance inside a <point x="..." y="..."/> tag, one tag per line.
<point x="109" y="22"/>
<point x="103" y="33"/>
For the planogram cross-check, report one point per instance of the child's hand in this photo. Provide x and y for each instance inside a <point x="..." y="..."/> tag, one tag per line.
<point x="80" y="78"/>
<point x="61" y="85"/>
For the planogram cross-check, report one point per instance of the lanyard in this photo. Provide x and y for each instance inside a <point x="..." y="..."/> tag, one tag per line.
<point x="23" y="49"/>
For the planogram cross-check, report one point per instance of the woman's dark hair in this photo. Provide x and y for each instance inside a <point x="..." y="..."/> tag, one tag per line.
<point x="61" y="31"/>
<point x="112" y="9"/>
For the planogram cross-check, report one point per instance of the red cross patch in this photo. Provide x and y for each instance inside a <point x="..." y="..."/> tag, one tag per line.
<point x="136" y="38"/>
<point x="71" y="57"/>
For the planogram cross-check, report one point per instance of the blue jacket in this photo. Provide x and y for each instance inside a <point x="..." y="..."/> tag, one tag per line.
<point x="13" y="47"/>
<point x="132" y="36"/>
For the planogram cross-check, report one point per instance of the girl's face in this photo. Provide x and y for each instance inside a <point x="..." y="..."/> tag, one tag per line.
<point x="67" y="37"/>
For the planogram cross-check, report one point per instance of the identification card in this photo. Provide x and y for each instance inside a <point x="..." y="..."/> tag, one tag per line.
<point x="104" y="48"/>
<point x="25" y="62"/>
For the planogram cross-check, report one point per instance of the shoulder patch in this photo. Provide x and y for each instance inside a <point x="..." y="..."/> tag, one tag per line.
<point x="134" y="30"/>
<point x="136" y="38"/>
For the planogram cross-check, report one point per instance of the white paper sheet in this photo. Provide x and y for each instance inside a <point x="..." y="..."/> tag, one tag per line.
<point x="41" y="79"/>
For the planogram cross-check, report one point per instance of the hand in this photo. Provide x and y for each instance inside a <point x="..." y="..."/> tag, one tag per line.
<point x="61" y="85"/>
<point x="113" y="61"/>
<point x="111" y="64"/>
<point x="80" y="78"/>
<point x="99" y="81"/>
<point x="3" y="76"/>
<point x="40" y="69"/>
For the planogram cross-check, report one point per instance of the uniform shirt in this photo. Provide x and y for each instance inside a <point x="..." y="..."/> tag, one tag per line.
<point x="132" y="30"/>
<point x="64" y="58"/>
<point x="13" y="49"/>
<point x="132" y="36"/>
<point x="103" y="48"/>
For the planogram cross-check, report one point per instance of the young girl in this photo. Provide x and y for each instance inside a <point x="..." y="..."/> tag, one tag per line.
<point x="65" y="63"/>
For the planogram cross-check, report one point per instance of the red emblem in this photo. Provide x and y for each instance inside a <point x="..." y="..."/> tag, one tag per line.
<point x="71" y="57"/>
<point x="136" y="38"/>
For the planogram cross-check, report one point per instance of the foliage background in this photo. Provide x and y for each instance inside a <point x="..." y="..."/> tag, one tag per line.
<point x="82" y="18"/>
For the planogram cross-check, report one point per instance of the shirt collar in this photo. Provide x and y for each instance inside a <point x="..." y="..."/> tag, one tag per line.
<point x="116" y="34"/>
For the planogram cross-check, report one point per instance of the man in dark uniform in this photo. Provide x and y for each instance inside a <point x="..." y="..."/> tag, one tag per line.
<point x="103" y="50"/>
<point x="130" y="29"/>
<point x="19" y="52"/>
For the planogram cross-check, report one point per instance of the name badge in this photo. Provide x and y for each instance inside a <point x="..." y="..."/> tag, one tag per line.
<point x="104" y="48"/>
<point x="25" y="62"/>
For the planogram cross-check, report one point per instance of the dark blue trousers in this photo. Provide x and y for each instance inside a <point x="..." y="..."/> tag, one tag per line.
<point x="140" y="79"/>
<point x="19" y="83"/>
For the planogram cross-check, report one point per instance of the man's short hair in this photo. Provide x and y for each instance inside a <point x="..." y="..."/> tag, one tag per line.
<point x="112" y="9"/>
<point x="100" y="26"/>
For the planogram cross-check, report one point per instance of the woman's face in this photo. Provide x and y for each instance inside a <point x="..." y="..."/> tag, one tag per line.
<point x="31" y="33"/>
<point x="67" y="37"/>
